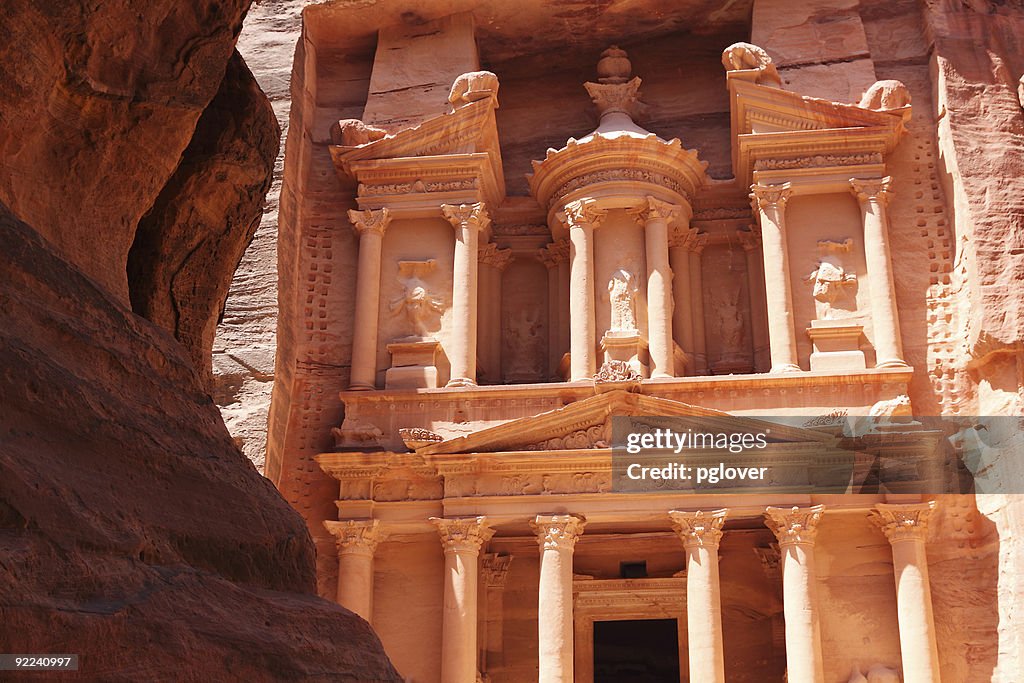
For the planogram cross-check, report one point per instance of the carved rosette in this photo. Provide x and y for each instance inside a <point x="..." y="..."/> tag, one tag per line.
<point x="356" y="536"/>
<point x="617" y="371"/>
<point x="494" y="569"/>
<point x="462" y="534"/>
<point x="871" y="190"/>
<point x="699" y="529"/>
<point x="655" y="209"/>
<point x="490" y="255"/>
<point x="903" y="522"/>
<point x="554" y="253"/>
<point x="582" y="213"/>
<point x="749" y="239"/>
<point x="767" y="198"/>
<point x="558" y="532"/>
<point x="794" y="526"/>
<point x="466" y="216"/>
<point x="370" y="220"/>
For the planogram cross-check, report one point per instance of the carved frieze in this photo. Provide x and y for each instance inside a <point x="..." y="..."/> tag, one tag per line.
<point x="817" y="161"/>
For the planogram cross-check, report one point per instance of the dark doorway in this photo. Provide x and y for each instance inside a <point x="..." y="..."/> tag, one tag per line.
<point x="638" y="651"/>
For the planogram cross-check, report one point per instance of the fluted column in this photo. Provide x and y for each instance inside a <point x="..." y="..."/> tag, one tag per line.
<point x="655" y="217"/>
<point x="468" y="220"/>
<point x="750" y="240"/>
<point x="872" y="194"/>
<point x="555" y="256"/>
<point x="462" y="539"/>
<point x="701" y="533"/>
<point x="582" y="217"/>
<point x="796" y="529"/>
<point x="770" y="202"/>
<point x="682" y="314"/>
<point x="700" y="352"/>
<point x="557" y="535"/>
<point x="370" y="226"/>
<point x="492" y="263"/>
<point x="356" y="540"/>
<point x="906" y="527"/>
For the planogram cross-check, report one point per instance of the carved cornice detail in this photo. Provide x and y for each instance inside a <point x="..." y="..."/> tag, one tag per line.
<point x="494" y="569"/>
<point x="582" y="213"/>
<point x="903" y="522"/>
<point x="765" y="197"/>
<point x="794" y="525"/>
<point x="871" y="189"/>
<point x="372" y="220"/>
<point x="466" y="216"/>
<point x="490" y="255"/>
<point x="719" y="213"/>
<point x="699" y="529"/>
<point x="462" y="534"/>
<point x="356" y="535"/>
<point x="558" y="532"/>
<point x="605" y="175"/>
<point x="818" y="161"/>
<point x="419" y="186"/>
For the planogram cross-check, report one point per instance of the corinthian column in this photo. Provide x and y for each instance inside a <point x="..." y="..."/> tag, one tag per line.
<point x="750" y="240"/>
<point x="682" y="314"/>
<point x="557" y="535"/>
<point x="770" y="202"/>
<point x="700" y="344"/>
<point x="468" y="220"/>
<point x="581" y="218"/>
<point x="370" y="226"/>
<point x="796" y="529"/>
<point x="493" y="262"/>
<point x="906" y="527"/>
<point x="701" y="533"/>
<point x="356" y="541"/>
<point x="655" y="217"/>
<point x="872" y="194"/>
<point x="462" y="539"/>
<point x="555" y="257"/>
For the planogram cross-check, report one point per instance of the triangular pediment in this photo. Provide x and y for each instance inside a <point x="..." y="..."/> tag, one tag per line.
<point x="586" y="424"/>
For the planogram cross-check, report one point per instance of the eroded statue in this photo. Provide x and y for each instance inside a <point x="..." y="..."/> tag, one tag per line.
<point x="745" y="56"/>
<point x="884" y="95"/>
<point x="353" y="132"/>
<point x="419" y="307"/>
<point x="831" y="282"/>
<point x="622" y="296"/>
<point x="473" y="87"/>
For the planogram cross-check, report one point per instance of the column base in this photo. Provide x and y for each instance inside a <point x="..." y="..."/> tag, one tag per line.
<point x="412" y="364"/>
<point x="456" y="382"/>
<point x="787" y="367"/>
<point x="361" y="387"/>
<point x="892" y="363"/>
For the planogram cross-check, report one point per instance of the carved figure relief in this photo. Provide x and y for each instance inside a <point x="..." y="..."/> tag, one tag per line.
<point x="420" y="308"/>
<point x="524" y="343"/>
<point x="832" y="286"/>
<point x="622" y="291"/>
<point x="728" y="321"/>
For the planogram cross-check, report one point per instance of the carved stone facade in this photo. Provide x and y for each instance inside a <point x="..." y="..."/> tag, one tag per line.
<point x="500" y="326"/>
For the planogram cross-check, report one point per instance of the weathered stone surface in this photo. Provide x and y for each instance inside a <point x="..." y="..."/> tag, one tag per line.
<point x="98" y="101"/>
<point x="127" y="517"/>
<point x="188" y="245"/>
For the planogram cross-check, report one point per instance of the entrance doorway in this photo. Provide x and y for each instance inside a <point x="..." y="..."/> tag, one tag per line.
<point x="636" y="651"/>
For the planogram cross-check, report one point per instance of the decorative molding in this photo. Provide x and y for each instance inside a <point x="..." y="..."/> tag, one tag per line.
<point x="795" y="525"/>
<point x="360" y="536"/>
<point x="699" y="529"/>
<point x="817" y="161"/>
<point x="907" y="522"/>
<point x="462" y="534"/>
<point x="634" y="174"/>
<point x="520" y="229"/>
<point x="374" y="190"/>
<point x="417" y="437"/>
<point x="617" y="371"/>
<point x="720" y="213"/>
<point x="558" y="532"/>
<point x="370" y="220"/>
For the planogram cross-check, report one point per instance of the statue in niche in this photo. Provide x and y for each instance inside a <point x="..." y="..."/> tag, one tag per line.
<point x="832" y="285"/>
<point x="419" y="306"/>
<point x="622" y="291"/>
<point x="729" y="321"/>
<point x="524" y="345"/>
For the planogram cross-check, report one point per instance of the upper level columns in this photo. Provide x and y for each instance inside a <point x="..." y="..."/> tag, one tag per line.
<point x="468" y="220"/>
<point x="356" y="541"/>
<point x="462" y="539"/>
<point x="701" y="533"/>
<point x="906" y="527"/>
<point x="770" y="203"/>
<point x="872" y="194"/>
<point x="582" y="217"/>
<point x="750" y="240"/>
<point x="493" y="262"/>
<point x="655" y="216"/>
<point x="370" y="225"/>
<point x="796" y="529"/>
<point x="557" y="535"/>
<point x="555" y="258"/>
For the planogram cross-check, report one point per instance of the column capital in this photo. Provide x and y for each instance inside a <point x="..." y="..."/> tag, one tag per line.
<point x="699" y="529"/>
<point x="471" y="216"/>
<point x="370" y="220"/>
<point x="490" y="255"/>
<point x="654" y="209"/>
<point x="557" y="532"/>
<point x="582" y="213"/>
<point x="494" y="569"/>
<point x="903" y="522"/>
<point x="461" y="534"/>
<point x="698" y="243"/>
<point x="684" y="237"/>
<point x="794" y="525"/>
<point x="554" y="253"/>
<point x="359" y="536"/>
<point x="749" y="239"/>
<point x="764" y="197"/>
<point x="871" y="189"/>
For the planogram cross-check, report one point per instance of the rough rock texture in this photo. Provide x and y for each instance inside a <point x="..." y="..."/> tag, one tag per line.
<point x="243" y="353"/>
<point x="189" y="244"/>
<point x="97" y="103"/>
<point x="127" y="516"/>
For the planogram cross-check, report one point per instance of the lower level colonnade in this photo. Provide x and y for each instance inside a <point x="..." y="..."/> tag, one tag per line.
<point x="796" y="528"/>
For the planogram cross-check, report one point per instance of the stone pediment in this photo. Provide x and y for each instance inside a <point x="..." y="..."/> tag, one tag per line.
<point x="586" y="424"/>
